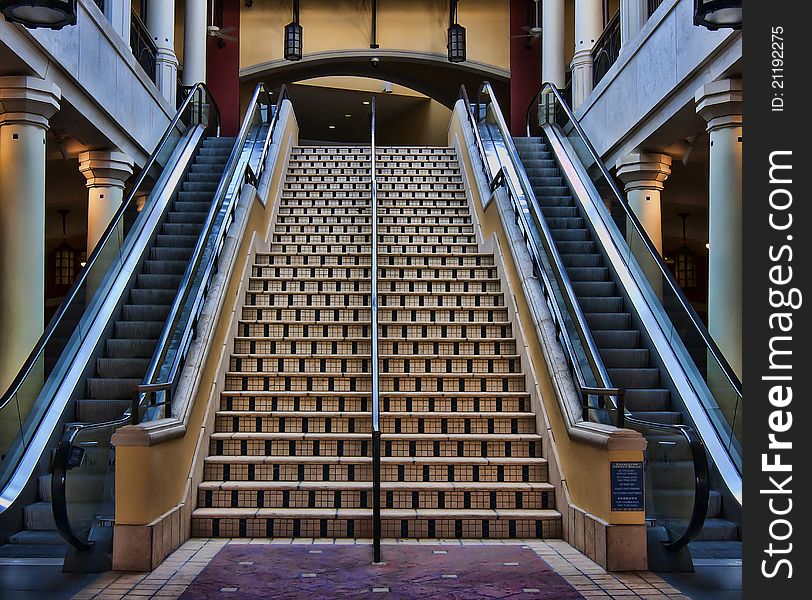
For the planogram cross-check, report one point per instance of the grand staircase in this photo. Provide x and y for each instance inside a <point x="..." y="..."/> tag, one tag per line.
<point x="128" y="350"/>
<point x="620" y="343"/>
<point x="291" y="450"/>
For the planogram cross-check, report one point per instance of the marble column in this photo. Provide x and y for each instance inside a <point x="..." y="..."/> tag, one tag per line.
<point x="194" y="42"/>
<point x="161" y="26"/>
<point x="633" y="15"/>
<point x="643" y="175"/>
<point x="588" y="28"/>
<point x="106" y="172"/>
<point x="720" y="104"/>
<point x="553" y="68"/>
<point x="26" y="105"/>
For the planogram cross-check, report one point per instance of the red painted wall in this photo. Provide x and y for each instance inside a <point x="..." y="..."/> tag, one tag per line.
<point x="525" y="66"/>
<point x="223" y="70"/>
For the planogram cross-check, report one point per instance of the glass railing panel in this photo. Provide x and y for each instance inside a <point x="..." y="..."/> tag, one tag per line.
<point x="30" y="397"/>
<point x="88" y="461"/>
<point x="676" y="477"/>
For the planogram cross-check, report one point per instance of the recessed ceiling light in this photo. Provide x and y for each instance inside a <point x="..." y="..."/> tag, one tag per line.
<point x="365" y="102"/>
<point x="331" y="126"/>
<point x="348" y="115"/>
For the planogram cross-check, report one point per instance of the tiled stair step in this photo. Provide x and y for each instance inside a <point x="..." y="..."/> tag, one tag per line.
<point x="319" y="248"/>
<point x="309" y="332"/>
<point x="355" y="422"/>
<point x="442" y="299"/>
<point x="414" y="364"/>
<point x="407" y="315"/>
<point x="326" y="205"/>
<point x="427" y="247"/>
<point x="428" y="239"/>
<point x="359" y="468"/>
<point x="449" y="445"/>
<point x="318" y="230"/>
<point x="310" y="218"/>
<point x="422" y="220"/>
<point x="279" y="275"/>
<point x="447" y="272"/>
<point x="422" y="260"/>
<point x="290" y="239"/>
<point x="449" y="496"/>
<point x="254" y="314"/>
<point x="303" y="299"/>
<point x="445" y="331"/>
<point x="313" y="259"/>
<point x="326" y="178"/>
<point x="356" y="523"/>
<point x="420" y="179"/>
<point x="423" y="205"/>
<point x="447" y="286"/>
<point x="311" y="284"/>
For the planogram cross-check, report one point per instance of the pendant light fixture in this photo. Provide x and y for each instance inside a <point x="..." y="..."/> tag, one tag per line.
<point x="293" y="36"/>
<point x="54" y="14"/>
<point x="456" y="36"/>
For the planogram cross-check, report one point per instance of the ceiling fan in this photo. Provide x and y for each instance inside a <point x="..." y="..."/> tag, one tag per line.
<point x="534" y="30"/>
<point x="215" y="30"/>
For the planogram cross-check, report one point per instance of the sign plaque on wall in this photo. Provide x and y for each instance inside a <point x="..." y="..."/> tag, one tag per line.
<point x="626" y="485"/>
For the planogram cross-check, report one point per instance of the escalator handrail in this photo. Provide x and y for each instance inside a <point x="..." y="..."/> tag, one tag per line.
<point x="631" y="217"/>
<point x="604" y="388"/>
<point x="624" y="418"/>
<point x="64" y="451"/>
<point x="112" y="227"/>
<point x="169" y="382"/>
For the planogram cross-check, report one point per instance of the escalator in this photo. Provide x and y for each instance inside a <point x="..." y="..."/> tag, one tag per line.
<point x="633" y="341"/>
<point x="102" y="361"/>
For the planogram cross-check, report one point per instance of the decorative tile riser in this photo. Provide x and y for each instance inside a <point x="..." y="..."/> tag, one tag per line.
<point x="428" y="314"/>
<point x="391" y="528"/>
<point x="359" y="403"/>
<point x="303" y="331"/>
<point x="307" y="471"/>
<point x="299" y="383"/>
<point x="441" y="299"/>
<point x="319" y="248"/>
<point x="428" y="220"/>
<point x="327" y="240"/>
<point x="438" y="272"/>
<point x="314" y="260"/>
<point x="388" y="404"/>
<point x="464" y="331"/>
<point x="423" y="249"/>
<point x="266" y="347"/>
<point x="426" y="241"/>
<point x="358" y="499"/>
<point x="302" y="300"/>
<point x="421" y="446"/>
<point x="317" y="230"/>
<point x="280" y="423"/>
<point x="342" y="364"/>
<point x="321" y="285"/>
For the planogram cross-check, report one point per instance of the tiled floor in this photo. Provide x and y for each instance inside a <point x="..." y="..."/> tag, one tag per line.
<point x="172" y="578"/>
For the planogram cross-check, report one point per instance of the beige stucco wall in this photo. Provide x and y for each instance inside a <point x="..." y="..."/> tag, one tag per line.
<point x="414" y="25"/>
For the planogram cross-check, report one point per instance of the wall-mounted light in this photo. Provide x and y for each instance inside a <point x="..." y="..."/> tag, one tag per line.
<point x="718" y="14"/>
<point x="456" y="36"/>
<point x="293" y="36"/>
<point x="54" y="14"/>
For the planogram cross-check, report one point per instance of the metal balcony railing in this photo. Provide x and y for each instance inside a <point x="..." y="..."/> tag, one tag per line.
<point x="144" y="49"/>
<point x="606" y="49"/>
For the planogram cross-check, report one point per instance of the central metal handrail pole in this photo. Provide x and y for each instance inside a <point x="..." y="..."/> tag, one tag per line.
<point x="376" y="425"/>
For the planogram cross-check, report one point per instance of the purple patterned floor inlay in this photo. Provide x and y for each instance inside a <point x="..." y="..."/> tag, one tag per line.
<point x="410" y="571"/>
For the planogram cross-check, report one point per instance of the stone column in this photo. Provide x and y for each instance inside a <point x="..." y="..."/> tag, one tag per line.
<point x="161" y="26"/>
<point x="633" y="15"/>
<point x="643" y="176"/>
<point x="588" y="28"/>
<point x="106" y="171"/>
<point x="552" y="40"/>
<point x="119" y="13"/>
<point x="194" y="42"/>
<point x="720" y="104"/>
<point x="26" y="105"/>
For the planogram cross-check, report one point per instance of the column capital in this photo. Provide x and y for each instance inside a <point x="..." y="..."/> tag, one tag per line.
<point x="720" y="103"/>
<point x="105" y="168"/>
<point x="30" y="100"/>
<point x="644" y="171"/>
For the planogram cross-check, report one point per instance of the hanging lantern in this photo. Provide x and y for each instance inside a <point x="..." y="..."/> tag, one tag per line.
<point x="54" y="14"/>
<point x="718" y="14"/>
<point x="685" y="261"/>
<point x="64" y="258"/>
<point x="456" y="37"/>
<point x="293" y="36"/>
